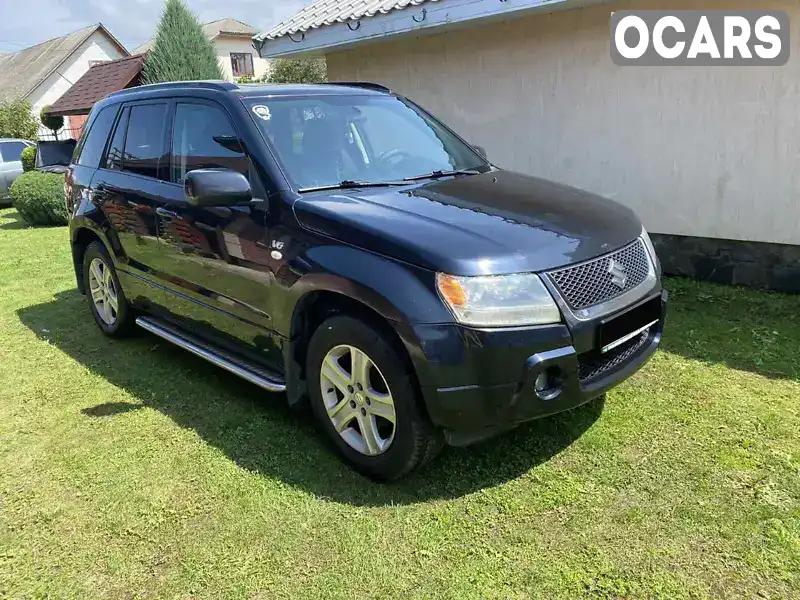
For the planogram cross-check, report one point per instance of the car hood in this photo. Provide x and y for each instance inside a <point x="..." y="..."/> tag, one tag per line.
<point x="495" y="223"/>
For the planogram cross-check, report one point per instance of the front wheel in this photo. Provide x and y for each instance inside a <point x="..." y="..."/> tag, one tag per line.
<point x="107" y="302"/>
<point x="366" y="401"/>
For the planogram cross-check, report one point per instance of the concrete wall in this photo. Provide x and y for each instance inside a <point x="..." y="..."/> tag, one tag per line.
<point x="96" y="47"/>
<point x="709" y="152"/>
<point x="226" y="45"/>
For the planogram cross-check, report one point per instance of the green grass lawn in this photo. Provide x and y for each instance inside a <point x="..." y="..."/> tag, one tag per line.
<point x="130" y="469"/>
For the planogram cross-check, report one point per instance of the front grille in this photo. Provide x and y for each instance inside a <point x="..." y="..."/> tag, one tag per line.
<point x="591" y="283"/>
<point x="593" y="365"/>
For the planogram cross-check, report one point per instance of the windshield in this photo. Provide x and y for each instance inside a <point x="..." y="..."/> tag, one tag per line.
<point x="326" y="140"/>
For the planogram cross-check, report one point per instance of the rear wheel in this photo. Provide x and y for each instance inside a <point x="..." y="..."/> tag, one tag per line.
<point x="107" y="302"/>
<point x="365" y="399"/>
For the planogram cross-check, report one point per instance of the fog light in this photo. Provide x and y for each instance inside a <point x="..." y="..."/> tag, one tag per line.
<point x="542" y="382"/>
<point x="548" y="383"/>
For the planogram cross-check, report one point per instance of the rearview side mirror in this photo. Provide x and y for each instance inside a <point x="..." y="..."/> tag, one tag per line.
<point x="216" y="187"/>
<point x="481" y="150"/>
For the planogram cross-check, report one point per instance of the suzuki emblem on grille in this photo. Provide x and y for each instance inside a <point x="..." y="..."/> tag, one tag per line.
<point x="618" y="276"/>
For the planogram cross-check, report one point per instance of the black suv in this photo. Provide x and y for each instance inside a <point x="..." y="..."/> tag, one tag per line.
<point x="339" y="243"/>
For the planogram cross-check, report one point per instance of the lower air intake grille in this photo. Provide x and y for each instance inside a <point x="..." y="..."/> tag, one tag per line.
<point x="593" y="365"/>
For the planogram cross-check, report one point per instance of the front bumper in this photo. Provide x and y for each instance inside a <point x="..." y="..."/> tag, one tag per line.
<point x="502" y="366"/>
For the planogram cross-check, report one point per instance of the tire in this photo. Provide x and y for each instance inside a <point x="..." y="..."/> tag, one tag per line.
<point x="122" y="321"/>
<point x="413" y="440"/>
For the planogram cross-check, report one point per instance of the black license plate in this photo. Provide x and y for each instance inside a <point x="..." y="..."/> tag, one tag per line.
<point x="629" y="322"/>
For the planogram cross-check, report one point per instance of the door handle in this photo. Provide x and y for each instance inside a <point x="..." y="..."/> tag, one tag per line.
<point x="167" y="214"/>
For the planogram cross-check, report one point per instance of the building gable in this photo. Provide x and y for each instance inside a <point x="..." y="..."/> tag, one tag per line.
<point x="21" y="73"/>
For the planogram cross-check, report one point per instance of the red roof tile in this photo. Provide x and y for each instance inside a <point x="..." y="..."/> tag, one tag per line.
<point x="99" y="81"/>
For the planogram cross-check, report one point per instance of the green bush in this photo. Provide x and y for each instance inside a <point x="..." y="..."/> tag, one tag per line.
<point x="28" y="158"/>
<point x="39" y="198"/>
<point x="304" y="70"/>
<point x="53" y="123"/>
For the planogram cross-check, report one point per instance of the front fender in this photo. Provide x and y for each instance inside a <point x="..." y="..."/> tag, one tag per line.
<point x="402" y="294"/>
<point x="396" y="290"/>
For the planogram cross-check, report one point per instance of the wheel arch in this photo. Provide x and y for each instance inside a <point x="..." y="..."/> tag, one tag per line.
<point x="81" y="238"/>
<point x="318" y="303"/>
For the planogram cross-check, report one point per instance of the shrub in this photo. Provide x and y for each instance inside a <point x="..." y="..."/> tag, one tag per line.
<point x="181" y="50"/>
<point x="39" y="198"/>
<point x="28" y="158"/>
<point x="52" y="122"/>
<point x="307" y="70"/>
<point x="16" y="120"/>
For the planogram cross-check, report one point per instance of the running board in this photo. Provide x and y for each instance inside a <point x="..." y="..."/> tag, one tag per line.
<point x="229" y="362"/>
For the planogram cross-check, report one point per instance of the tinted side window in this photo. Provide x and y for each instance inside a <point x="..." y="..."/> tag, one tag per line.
<point x="114" y="157"/>
<point x="204" y="138"/>
<point x="95" y="139"/>
<point x="10" y="151"/>
<point x="144" y="142"/>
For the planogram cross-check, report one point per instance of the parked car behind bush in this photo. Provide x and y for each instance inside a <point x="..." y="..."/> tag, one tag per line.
<point x="39" y="198"/>
<point x="54" y="156"/>
<point x="28" y="158"/>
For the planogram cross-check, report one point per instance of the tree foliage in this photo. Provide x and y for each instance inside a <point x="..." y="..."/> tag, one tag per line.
<point x="28" y="158"/>
<point x="181" y="51"/>
<point x="305" y="70"/>
<point x="52" y="122"/>
<point x="17" y="120"/>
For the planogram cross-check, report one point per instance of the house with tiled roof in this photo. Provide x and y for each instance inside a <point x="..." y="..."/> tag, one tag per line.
<point x="232" y="40"/>
<point x="41" y="74"/>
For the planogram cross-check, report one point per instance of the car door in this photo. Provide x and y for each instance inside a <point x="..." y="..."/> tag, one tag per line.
<point x="216" y="260"/>
<point x="132" y="183"/>
<point x="4" y="187"/>
<point x="10" y="164"/>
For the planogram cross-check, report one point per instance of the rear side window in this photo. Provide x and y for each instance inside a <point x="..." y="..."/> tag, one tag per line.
<point x="144" y="152"/>
<point x="96" y="137"/>
<point x="10" y="151"/>
<point x="114" y="157"/>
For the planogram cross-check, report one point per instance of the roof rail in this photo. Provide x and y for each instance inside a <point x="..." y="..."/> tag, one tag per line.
<point x="223" y="86"/>
<point x="377" y="87"/>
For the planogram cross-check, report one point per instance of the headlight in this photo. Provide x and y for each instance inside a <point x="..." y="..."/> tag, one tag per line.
<point x="651" y="249"/>
<point x="498" y="301"/>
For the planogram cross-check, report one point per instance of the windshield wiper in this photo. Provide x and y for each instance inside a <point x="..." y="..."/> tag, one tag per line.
<point x="439" y="174"/>
<point x="349" y="184"/>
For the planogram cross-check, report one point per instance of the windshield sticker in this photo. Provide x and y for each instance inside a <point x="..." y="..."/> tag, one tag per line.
<point x="262" y="112"/>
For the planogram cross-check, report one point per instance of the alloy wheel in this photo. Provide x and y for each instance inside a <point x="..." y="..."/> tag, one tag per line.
<point x="358" y="400"/>
<point x="104" y="294"/>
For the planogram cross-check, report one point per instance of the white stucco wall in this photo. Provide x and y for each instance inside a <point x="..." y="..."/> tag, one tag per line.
<point x="226" y="45"/>
<point x="711" y="152"/>
<point x="96" y="47"/>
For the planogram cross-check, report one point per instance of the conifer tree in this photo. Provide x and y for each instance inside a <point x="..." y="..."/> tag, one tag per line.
<point x="181" y="51"/>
